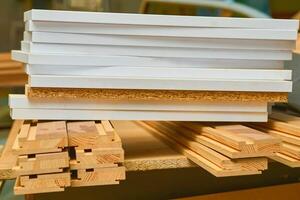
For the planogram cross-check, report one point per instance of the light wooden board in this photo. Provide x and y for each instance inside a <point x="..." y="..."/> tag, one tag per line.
<point x="148" y="41"/>
<point x="98" y="176"/>
<point x="8" y="158"/>
<point x="143" y="30"/>
<point x="168" y="52"/>
<point x="211" y="154"/>
<point x="159" y="83"/>
<point x="161" y="20"/>
<point x="97" y="158"/>
<point x="52" y="114"/>
<point x="232" y="140"/>
<point x="197" y="73"/>
<point x="90" y="60"/>
<point x="43" y="137"/>
<point x="42" y="163"/>
<point x="90" y="135"/>
<point x="143" y="151"/>
<point x="70" y="94"/>
<point x="42" y="183"/>
<point x="198" y="159"/>
<point x="21" y="101"/>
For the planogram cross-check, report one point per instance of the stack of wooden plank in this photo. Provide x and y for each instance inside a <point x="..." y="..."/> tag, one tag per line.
<point x="287" y="128"/>
<point x="97" y="154"/>
<point x="151" y="67"/>
<point x="42" y="158"/>
<point x="221" y="149"/>
<point x="11" y="72"/>
<point x="58" y="154"/>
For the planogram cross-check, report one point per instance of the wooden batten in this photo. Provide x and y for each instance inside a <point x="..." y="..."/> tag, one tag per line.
<point x="91" y="134"/>
<point x="42" y="163"/>
<point x="97" y="176"/>
<point x="97" y="158"/>
<point x="45" y="183"/>
<point x="234" y="141"/>
<point x="41" y="137"/>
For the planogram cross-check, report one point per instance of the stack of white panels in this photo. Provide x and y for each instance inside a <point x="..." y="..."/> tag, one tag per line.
<point x="84" y="50"/>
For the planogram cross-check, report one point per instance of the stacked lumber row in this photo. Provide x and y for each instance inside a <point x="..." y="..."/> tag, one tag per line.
<point x="287" y="128"/>
<point x="58" y="154"/>
<point x="221" y="149"/>
<point x="11" y="72"/>
<point x="97" y="154"/>
<point x="120" y="66"/>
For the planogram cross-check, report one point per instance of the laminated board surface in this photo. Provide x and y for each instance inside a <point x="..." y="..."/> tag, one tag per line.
<point x="159" y="83"/>
<point x="21" y="101"/>
<point x="92" y="60"/>
<point x="56" y="114"/>
<point x="161" y="20"/>
<point x="169" y="52"/>
<point x="155" y="95"/>
<point x="151" y="41"/>
<point x="144" y="30"/>
<point x="161" y="72"/>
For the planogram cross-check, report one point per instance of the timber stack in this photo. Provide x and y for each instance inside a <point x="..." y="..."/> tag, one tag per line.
<point x="193" y="82"/>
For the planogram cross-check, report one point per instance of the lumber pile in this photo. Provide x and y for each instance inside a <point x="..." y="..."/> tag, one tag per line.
<point x="58" y="154"/>
<point x="222" y="150"/>
<point x="149" y="67"/>
<point x="11" y="72"/>
<point x="287" y="128"/>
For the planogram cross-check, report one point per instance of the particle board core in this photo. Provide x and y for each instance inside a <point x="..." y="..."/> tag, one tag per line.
<point x="159" y="95"/>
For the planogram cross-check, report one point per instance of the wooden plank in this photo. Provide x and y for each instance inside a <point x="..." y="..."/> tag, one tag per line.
<point x="229" y="149"/>
<point x="98" y="176"/>
<point x="288" y="118"/>
<point x="56" y="114"/>
<point x="42" y="183"/>
<point x="167" y="52"/>
<point x="286" y="160"/>
<point x="10" y="65"/>
<point x="91" y="60"/>
<point x="161" y="20"/>
<point x="159" y="83"/>
<point x="96" y="158"/>
<point x="199" y="160"/>
<point x="148" y="41"/>
<point x="210" y="154"/>
<point x="5" y="57"/>
<point x="283" y="127"/>
<point x="43" y="137"/>
<point x="242" y="138"/>
<point x="8" y="159"/>
<point x="42" y="163"/>
<point x="85" y="135"/>
<point x="144" y="152"/>
<point x="142" y="30"/>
